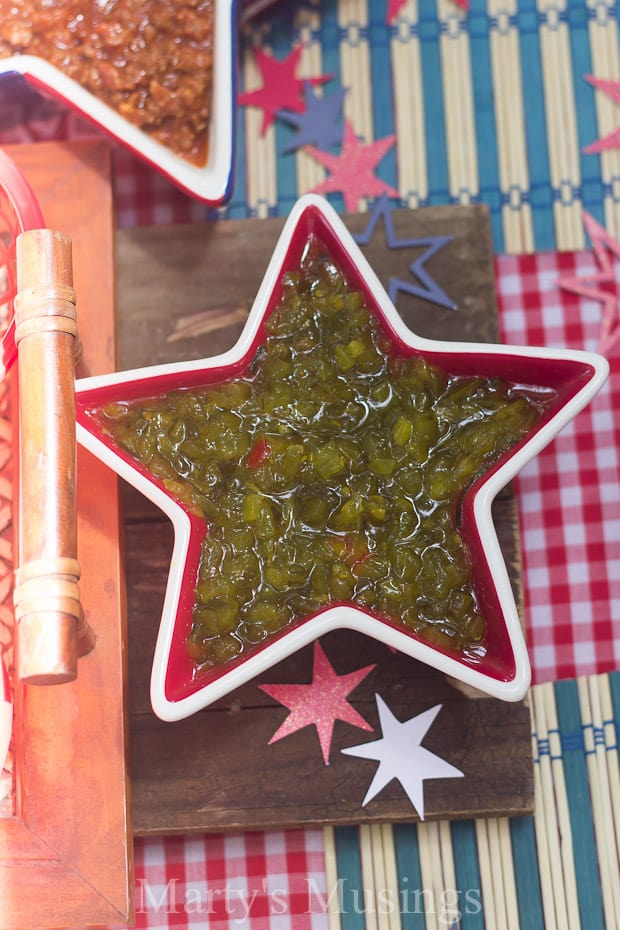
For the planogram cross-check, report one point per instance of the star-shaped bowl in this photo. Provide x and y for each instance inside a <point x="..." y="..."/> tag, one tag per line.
<point x="210" y="181"/>
<point x="504" y="670"/>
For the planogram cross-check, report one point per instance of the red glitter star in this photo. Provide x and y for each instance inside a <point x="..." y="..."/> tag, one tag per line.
<point x="177" y="689"/>
<point x="395" y="6"/>
<point x="393" y="9"/>
<point x="281" y="89"/>
<point x="320" y="703"/>
<point x="352" y="170"/>
<point x="611" y="89"/>
<point x="589" y="286"/>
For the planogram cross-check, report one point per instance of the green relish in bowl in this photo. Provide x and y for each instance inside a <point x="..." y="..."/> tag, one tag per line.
<point x="330" y="471"/>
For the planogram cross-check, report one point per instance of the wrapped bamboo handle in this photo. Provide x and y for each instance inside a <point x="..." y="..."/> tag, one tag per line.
<point x="51" y="630"/>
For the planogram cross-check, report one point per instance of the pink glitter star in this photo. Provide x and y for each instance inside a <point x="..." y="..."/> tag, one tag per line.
<point x="352" y="170"/>
<point x="611" y="89"/>
<point x="393" y="9"/>
<point x="281" y="89"/>
<point x="589" y="285"/>
<point x="320" y="703"/>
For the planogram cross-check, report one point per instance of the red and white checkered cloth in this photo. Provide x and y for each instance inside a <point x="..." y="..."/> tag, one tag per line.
<point x="262" y="881"/>
<point x="569" y="496"/>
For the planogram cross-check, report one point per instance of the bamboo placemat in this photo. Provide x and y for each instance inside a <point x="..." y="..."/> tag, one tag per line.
<point x="487" y="106"/>
<point x="557" y="869"/>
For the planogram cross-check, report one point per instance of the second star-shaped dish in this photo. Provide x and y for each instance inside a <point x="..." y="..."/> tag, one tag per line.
<point x="569" y="378"/>
<point x="206" y="174"/>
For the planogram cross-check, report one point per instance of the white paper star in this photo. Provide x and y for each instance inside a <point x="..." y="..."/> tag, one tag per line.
<point x="401" y="755"/>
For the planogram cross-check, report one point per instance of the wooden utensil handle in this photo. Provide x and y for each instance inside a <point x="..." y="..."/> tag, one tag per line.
<point x="51" y="630"/>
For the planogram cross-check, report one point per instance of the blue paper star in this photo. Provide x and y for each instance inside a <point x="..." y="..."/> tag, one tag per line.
<point x="427" y="289"/>
<point x="321" y="123"/>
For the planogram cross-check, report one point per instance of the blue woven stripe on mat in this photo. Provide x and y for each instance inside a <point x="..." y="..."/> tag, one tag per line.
<point x="576" y="777"/>
<point x="350" y="878"/>
<point x="527" y="876"/>
<point x="467" y="874"/>
<point x="409" y="876"/>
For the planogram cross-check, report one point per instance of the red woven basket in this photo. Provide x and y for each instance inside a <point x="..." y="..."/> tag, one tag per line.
<point x="19" y="211"/>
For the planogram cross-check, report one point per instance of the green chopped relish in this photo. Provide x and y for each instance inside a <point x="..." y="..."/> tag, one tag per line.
<point x="331" y="471"/>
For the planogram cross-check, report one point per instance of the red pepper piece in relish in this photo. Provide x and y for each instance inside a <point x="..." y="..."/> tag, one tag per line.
<point x="259" y="453"/>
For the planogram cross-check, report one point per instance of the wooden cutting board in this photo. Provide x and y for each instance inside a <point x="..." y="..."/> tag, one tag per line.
<point x="183" y="292"/>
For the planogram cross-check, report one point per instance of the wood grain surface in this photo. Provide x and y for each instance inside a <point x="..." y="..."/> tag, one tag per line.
<point x="66" y="856"/>
<point x="183" y="293"/>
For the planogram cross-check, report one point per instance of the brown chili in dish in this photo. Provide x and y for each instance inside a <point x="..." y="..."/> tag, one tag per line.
<point x="150" y="60"/>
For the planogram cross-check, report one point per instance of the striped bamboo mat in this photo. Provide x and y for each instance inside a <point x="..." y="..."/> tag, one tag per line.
<point x="490" y="106"/>
<point x="557" y="869"/>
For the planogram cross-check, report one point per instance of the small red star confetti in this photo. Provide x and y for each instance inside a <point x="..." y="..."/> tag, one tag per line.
<point x="352" y="170"/>
<point x="320" y="703"/>
<point x="611" y="89"/>
<point x="395" y="6"/>
<point x="604" y="247"/>
<point x="281" y="89"/>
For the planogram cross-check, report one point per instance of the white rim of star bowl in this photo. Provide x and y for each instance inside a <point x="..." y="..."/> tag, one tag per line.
<point x="342" y="617"/>
<point x="212" y="182"/>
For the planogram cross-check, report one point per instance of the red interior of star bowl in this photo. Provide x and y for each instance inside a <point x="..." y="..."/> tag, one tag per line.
<point x="565" y="376"/>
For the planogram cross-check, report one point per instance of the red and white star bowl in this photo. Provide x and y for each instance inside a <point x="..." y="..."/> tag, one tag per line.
<point x="211" y="182"/>
<point x="504" y="671"/>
